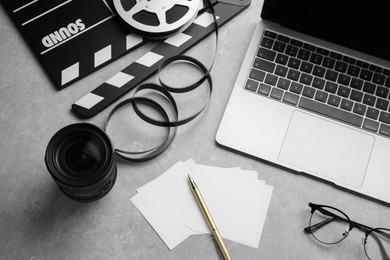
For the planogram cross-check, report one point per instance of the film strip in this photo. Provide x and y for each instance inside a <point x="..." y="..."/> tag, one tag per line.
<point x="134" y="74"/>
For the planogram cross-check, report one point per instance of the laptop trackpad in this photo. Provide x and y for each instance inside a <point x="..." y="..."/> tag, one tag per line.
<point x="329" y="150"/>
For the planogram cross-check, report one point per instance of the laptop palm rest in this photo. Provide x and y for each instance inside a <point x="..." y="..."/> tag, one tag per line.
<point x="326" y="149"/>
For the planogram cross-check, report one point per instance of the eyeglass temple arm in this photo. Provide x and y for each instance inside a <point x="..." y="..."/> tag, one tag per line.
<point x="318" y="225"/>
<point x="381" y="247"/>
<point x="386" y="235"/>
<point x="326" y="221"/>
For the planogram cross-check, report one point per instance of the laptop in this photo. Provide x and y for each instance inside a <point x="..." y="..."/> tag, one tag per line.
<point x="312" y="94"/>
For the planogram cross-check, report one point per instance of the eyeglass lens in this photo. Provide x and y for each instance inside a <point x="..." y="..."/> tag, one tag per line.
<point x="377" y="244"/>
<point x="329" y="225"/>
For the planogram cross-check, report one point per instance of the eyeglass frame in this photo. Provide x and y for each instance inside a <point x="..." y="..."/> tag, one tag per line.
<point x="352" y="224"/>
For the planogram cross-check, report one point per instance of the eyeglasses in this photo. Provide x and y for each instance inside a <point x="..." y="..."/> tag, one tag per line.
<point x="329" y="225"/>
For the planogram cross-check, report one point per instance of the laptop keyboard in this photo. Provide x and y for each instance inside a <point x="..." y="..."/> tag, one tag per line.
<point x="322" y="81"/>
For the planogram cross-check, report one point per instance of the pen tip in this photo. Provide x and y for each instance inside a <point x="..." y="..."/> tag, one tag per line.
<point x="192" y="183"/>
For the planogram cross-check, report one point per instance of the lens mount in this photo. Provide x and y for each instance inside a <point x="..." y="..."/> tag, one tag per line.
<point x="81" y="160"/>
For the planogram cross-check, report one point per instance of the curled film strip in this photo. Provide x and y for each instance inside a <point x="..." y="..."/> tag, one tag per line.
<point x="208" y="20"/>
<point x="164" y="90"/>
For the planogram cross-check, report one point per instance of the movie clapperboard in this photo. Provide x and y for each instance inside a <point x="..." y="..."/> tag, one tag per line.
<point x="73" y="38"/>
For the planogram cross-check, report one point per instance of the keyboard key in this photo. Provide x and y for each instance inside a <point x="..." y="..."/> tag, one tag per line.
<point x="382" y="104"/>
<point x="309" y="47"/>
<point x="294" y="63"/>
<point x="281" y="70"/>
<point x="271" y="79"/>
<point x="344" y="91"/>
<point x="296" y="42"/>
<point x="372" y="113"/>
<point x="384" y="130"/>
<point x="331" y="75"/>
<point x="356" y="95"/>
<point x="291" y="98"/>
<point x="353" y="70"/>
<point x="366" y="75"/>
<point x="264" y="65"/>
<point x="296" y="88"/>
<point x="257" y="75"/>
<point x="316" y="58"/>
<point x="356" y="83"/>
<point x="387" y="83"/>
<point x="331" y="87"/>
<point x="328" y="63"/>
<point x="267" y="42"/>
<point x="284" y="83"/>
<point x="335" y="55"/>
<point x="376" y="68"/>
<point x="344" y="79"/>
<point x="306" y="79"/>
<point x="266" y="54"/>
<point x="264" y="89"/>
<point x="277" y="93"/>
<point x="283" y="38"/>
<point x="319" y="71"/>
<point x="322" y="51"/>
<point x="379" y="79"/>
<point x="362" y="64"/>
<point x="281" y="59"/>
<point x="349" y="60"/>
<point x="359" y="109"/>
<point x="251" y="85"/>
<point x="370" y="125"/>
<point x="306" y="67"/>
<point x="304" y="54"/>
<point x="291" y="50"/>
<point x="384" y="117"/>
<point x="382" y="92"/>
<point x="321" y="96"/>
<point x="318" y="83"/>
<point x="346" y="104"/>
<point x="293" y="74"/>
<point x="308" y="92"/>
<point x="330" y="111"/>
<point x="334" y="100"/>
<point x="341" y="66"/>
<point x="369" y="99"/>
<point x="369" y="87"/>
<point x="270" y="34"/>
<point x="279" y="46"/>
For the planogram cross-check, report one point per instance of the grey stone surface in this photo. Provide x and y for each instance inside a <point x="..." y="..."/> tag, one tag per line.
<point x="38" y="222"/>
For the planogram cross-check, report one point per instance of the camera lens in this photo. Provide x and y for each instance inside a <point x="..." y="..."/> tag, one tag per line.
<point x="81" y="160"/>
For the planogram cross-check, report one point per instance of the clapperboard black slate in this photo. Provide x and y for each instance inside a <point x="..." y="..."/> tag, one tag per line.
<point x="71" y="38"/>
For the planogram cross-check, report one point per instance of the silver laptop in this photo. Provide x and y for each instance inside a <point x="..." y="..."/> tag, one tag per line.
<point x="313" y="93"/>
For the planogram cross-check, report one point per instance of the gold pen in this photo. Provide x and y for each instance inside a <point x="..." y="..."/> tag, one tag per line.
<point x="210" y="222"/>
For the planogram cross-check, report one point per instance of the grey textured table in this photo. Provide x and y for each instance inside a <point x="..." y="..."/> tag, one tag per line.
<point x="38" y="222"/>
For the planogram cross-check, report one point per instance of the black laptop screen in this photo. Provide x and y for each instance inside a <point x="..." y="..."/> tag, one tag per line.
<point x="361" y="25"/>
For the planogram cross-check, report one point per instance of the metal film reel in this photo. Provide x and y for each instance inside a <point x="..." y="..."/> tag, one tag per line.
<point x="157" y="18"/>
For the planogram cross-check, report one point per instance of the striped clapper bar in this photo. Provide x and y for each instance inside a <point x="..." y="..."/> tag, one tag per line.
<point x="134" y="74"/>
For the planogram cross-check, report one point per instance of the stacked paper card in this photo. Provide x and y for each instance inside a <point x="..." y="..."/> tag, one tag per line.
<point x="236" y="199"/>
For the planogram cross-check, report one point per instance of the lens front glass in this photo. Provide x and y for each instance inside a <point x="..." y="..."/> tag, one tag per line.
<point x="81" y="155"/>
<point x="329" y="225"/>
<point x="377" y="245"/>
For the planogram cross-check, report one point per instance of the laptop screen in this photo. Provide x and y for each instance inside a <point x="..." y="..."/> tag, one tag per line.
<point x="358" y="24"/>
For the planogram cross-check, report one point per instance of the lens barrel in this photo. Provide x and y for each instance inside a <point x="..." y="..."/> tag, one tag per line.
<point x="81" y="160"/>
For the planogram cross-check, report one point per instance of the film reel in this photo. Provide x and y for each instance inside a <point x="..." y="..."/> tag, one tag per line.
<point x="157" y="19"/>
